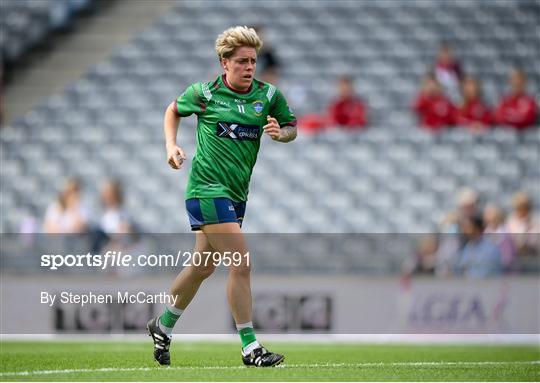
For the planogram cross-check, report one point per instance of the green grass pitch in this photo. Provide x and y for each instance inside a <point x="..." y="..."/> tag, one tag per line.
<point x="196" y="361"/>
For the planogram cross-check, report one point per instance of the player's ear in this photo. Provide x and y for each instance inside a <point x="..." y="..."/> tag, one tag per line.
<point x="224" y="63"/>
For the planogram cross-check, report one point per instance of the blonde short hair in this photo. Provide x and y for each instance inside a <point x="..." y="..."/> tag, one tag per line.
<point x="236" y="37"/>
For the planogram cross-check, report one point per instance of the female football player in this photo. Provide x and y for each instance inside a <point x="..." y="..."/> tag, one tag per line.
<point x="233" y="111"/>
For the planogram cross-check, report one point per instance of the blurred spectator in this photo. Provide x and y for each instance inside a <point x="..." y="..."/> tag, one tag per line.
<point x="434" y="110"/>
<point x="517" y="109"/>
<point x="268" y="64"/>
<point x="450" y="240"/>
<point x="114" y="218"/>
<point x="449" y="223"/>
<point x="473" y="113"/>
<point x="348" y="109"/>
<point x="117" y="231"/>
<point x="425" y="258"/>
<point x="67" y="214"/>
<point x="468" y="203"/>
<point x="479" y="257"/>
<point x="448" y="71"/>
<point x="449" y="246"/>
<point x="525" y="228"/>
<point x="495" y="230"/>
<point x="493" y="219"/>
<point x="521" y="220"/>
<point x="268" y="70"/>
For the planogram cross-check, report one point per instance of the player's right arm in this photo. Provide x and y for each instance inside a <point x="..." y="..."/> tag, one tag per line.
<point x="185" y="105"/>
<point x="171" y="121"/>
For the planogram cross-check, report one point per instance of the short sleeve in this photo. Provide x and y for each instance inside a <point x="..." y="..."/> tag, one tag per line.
<point x="190" y="102"/>
<point x="281" y="111"/>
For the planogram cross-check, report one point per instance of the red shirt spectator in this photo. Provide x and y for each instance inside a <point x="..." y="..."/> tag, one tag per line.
<point x="348" y="110"/>
<point x="435" y="111"/>
<point x="517" y="109"/>
<point x="473" y="113"/>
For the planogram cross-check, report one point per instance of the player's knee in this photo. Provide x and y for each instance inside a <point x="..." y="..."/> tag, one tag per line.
<point x="204" y="272"/>
<point x="243" y="270"/>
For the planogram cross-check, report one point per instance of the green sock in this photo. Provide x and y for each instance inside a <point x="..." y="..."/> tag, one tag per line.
<point x="247" y="336"/>
<point x="170" y="316"/>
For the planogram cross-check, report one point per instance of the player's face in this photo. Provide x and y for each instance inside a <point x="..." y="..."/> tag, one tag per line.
<point x="240" y="67"/>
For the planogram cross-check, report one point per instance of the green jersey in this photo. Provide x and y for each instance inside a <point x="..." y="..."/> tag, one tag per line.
<point x="229" y="130"/>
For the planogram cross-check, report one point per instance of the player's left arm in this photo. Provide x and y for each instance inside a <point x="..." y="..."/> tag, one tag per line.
<point x="281" y="122"/>
<point x="286" y="133"/>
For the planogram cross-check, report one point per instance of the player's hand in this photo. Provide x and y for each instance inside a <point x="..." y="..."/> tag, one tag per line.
<point x="272" y="128"/>
<point x="175" y="156"/>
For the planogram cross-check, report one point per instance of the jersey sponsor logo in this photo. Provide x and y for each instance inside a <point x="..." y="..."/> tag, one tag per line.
<point x="221" y="106"/>
<point x="258" y="107"/>
<point x="237" y="131"/>
<point x="220" y="102"/>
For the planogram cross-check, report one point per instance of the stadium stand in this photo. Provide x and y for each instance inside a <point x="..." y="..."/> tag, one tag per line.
<point x="26" y="23"/>
<point x="394" y="177"/>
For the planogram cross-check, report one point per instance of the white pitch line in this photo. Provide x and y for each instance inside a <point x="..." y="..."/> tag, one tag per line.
<point x="315" y="365"/>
